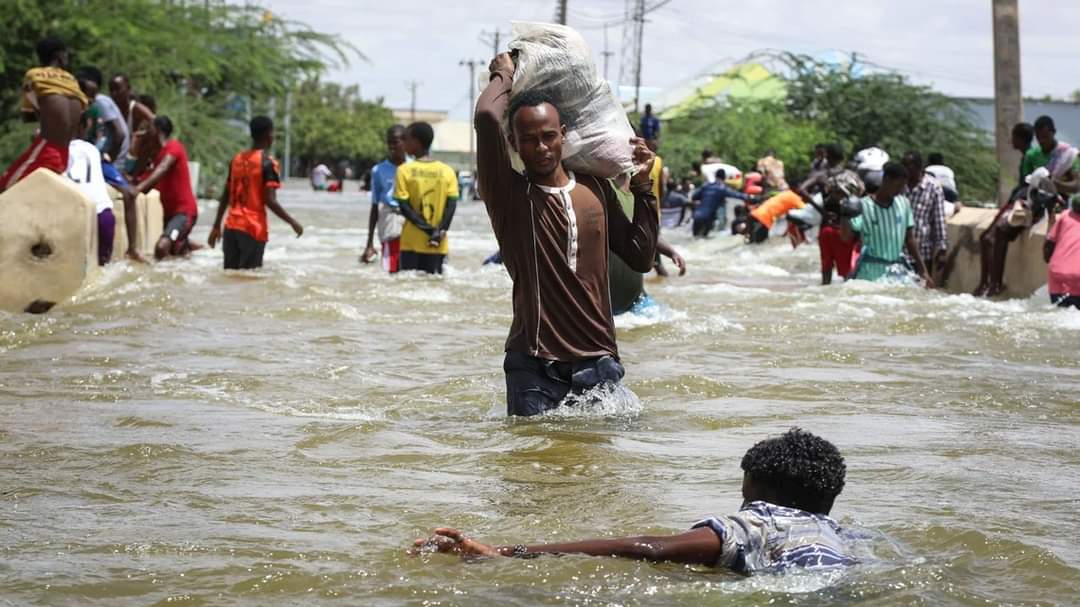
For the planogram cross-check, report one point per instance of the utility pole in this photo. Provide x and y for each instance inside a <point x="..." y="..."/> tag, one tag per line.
<point x="560" y="12"/>
<point x="607" y="53"/>
<point x="472" y="63"/>
<point x="1008" y="103"/>
<point x="492" y="38"/>
<point x="288" y="131"/>
<point x="639" y="16"/>
<point x="412" y="85"/>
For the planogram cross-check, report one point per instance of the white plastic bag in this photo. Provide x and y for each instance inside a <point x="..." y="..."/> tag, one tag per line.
<point x="556" y="60"/>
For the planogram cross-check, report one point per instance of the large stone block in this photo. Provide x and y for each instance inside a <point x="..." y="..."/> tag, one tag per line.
<point x="1025" y="270"/>
<point x="149" y="221"/>
<point x="48" y="242"/>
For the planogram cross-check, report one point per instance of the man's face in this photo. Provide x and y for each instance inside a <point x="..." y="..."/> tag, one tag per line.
<point x="914" y="170"/>
<point x="395" y="146"/>
<point x="1018" y="143"/>
<point x="1045" y="137"/>
<point x="89" y="88"/>
<point x="891" y="186"/>
<point x="119" y="90"/>
<point x="538" y="138"/>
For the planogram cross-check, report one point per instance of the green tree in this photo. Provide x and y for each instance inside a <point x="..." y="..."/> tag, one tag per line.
<point x="192" y="56"/>
<point x="741" y="132"/>
<point x="332" y="122"/>
<point x="886" y="109"/>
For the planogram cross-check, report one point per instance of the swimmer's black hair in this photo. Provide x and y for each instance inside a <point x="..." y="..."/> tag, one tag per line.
<point x="805" y="471"/>
<point x="934" y="158"/>
<point x="1045" y="122"/>
<point x="396" y="129"/>
<point x="48" y="48"/>
<point x="260" y="126"/>
<point x="529" y="98"/>
<point x="423" y="133"/>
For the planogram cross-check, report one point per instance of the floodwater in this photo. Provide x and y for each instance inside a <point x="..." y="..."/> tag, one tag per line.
<point x="183" y="436"/>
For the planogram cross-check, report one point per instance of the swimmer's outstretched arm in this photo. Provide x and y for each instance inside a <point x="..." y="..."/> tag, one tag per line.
<point x="697" y="547"/>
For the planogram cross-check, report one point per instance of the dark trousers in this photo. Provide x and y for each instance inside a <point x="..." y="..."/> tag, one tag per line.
<point x="411" y="260"/>
<point x="1064" y="300"/>
<point x="534" y="385"/>
<point x="242" y="252"/>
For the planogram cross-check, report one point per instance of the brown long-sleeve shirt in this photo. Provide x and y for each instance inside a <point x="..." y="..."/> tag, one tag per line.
<point x="555" y="241"/>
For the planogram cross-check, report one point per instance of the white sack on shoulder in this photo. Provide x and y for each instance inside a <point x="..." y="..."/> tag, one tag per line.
<point x="555" y="60"/>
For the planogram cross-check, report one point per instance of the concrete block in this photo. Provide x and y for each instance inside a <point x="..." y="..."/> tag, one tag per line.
<point x="1025" y="270"/>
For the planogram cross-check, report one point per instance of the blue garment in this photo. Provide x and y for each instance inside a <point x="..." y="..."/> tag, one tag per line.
<point x="650" y="127"/>
<point x="112" y="176"/>
<point x="713" y="197"/>
<point x="764" y="537"/>
<point x="382" y="184"/>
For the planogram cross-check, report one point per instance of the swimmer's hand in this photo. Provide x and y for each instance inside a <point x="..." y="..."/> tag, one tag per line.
<point x="215" y="234"/>
<point x="451" y="541"/>
<point x="299" y="229"/>
<point x="502" y="62"/>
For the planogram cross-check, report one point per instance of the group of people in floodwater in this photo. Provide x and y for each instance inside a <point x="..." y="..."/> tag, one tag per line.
<point x="557" y="231"/>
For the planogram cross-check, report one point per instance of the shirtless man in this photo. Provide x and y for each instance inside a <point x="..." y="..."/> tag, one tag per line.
<point x="138" y="118"/>
<point x="51" y="96"/>
<point x="554" y="230"/>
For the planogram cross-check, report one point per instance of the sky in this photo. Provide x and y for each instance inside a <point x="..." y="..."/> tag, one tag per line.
<point x="947" y="44"/>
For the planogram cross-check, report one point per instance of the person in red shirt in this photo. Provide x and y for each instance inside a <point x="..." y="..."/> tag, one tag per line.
<point x="250" y="188"/>
<point x="173" y="182"/>
<point x="1062" y="254"/>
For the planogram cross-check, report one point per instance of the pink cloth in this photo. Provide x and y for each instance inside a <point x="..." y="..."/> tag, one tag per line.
<point x="1064" y="267"/>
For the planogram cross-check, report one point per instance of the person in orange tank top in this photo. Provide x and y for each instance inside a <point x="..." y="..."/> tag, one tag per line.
<point x="250" y="189"/>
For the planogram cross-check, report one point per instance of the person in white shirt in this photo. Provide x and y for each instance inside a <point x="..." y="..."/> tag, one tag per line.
<point x="935" y="165"/>
<point x="84" y="168"/>
<point x="320" y="176"/>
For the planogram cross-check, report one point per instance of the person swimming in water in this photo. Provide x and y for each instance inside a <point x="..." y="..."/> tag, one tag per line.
<point x="789" y="486"/>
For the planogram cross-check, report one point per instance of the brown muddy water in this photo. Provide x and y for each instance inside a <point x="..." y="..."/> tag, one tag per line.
<point x="182" y="436"/>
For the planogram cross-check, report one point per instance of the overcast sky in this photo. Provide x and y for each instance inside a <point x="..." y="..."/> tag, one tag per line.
<point x="945" y="43"/>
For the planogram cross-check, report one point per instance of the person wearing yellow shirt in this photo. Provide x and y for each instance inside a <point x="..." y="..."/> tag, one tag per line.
<point x="52" y="98"/>
<point x="427" y="192"/>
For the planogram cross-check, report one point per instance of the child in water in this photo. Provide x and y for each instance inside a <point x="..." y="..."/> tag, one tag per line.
<point x="789" y="485"/>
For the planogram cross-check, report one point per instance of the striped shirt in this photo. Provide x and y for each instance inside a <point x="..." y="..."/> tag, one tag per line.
<point x="883" y="231"/>
<point x="928" y="207"/>
<point x="763" y="537"/>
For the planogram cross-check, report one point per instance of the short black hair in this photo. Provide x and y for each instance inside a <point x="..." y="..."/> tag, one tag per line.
<point x="648" y="107"/>
<point x="48" y="48"/>
<point x="805" y="471"/>
<point x="1045" y="122"/>
<point x="530" y="98"/>
<point x="819" y="146"/>
<point x="721" y="175"/>
<point x="91" y="73"/>
<point x="912" y="157"/>
<point x="422" y="132"/>
<point x="163" y="124"/>
<point x="260" y="126"/>
<point x="834" y="152"/>
<point x="397" y="129"/>
<point x="935" y="158"/>
<point x="1024" y="131"/>
<point x="894" y="170"/>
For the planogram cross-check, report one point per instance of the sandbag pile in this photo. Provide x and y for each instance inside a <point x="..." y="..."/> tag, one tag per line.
<point x="555" y="60"/>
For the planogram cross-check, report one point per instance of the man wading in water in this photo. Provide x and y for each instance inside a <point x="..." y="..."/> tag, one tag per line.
<point x="554" y="230"/>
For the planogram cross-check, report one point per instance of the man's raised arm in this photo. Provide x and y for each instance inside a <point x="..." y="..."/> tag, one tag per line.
<point x="494" y="174"/>
<point x="634" y="239"/>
